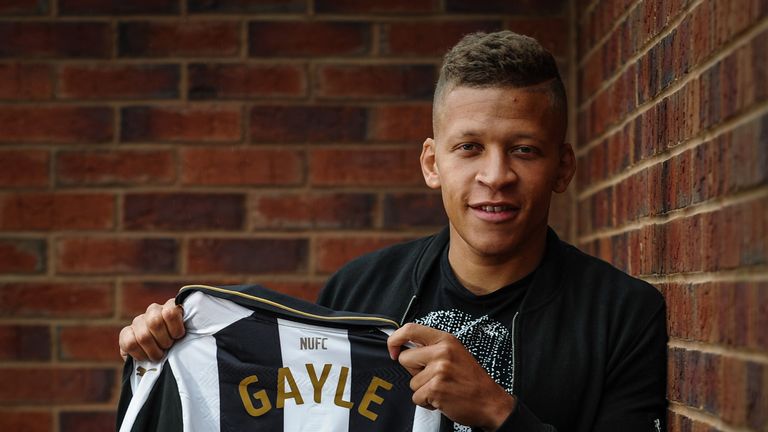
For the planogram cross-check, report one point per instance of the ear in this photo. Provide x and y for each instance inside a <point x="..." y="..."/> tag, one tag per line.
<point x="429" y="164"/>
<point x="566" y="168"/>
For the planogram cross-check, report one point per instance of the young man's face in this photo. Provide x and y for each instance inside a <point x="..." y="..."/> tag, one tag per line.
<point x="497" y="156"/>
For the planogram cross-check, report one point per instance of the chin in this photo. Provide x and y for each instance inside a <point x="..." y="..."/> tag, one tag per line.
<point x="491" y="247"/>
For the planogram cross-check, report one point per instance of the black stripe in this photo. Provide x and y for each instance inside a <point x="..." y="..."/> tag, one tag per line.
<point x="249" y="347"/>
<point x="162" y="410"/>
<point x="369" y="359"/>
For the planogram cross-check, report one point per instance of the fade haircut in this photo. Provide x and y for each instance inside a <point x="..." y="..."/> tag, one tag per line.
<point x="501" y="59"/>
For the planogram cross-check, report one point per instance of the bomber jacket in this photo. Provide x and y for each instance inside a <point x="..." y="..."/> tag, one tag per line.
<point x="589" y="341"/>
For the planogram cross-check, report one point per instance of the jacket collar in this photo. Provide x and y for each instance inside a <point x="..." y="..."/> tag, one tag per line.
<point x="546" y="282"/>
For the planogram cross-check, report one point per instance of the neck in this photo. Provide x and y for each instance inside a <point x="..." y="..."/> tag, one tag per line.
<point x="483" y="274"/>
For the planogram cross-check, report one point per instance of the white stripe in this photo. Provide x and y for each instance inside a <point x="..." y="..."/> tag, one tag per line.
<point x="206" y="315"/>
<point x="194" y="364"/>
<point x="311" y="416"/>
<point x="194" y="359"/>
<point x="425" y="420"/>
<point x="141" y="385"/>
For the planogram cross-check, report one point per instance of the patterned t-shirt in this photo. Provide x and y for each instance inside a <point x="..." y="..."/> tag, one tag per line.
<point x="485" y="324"/>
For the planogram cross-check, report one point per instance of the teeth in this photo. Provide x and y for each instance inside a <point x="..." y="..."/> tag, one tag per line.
<point x="495" y="209"/>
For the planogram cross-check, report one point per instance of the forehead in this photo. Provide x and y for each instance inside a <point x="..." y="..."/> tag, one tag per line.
<point x="497" y="110"/>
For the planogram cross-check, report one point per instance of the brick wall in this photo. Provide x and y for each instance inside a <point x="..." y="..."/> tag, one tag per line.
<point x="146" y="144"/>
<point x="673" y="186"/>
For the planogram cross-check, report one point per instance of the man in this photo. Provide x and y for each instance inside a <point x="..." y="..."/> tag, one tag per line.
<point x="514" y="329"/>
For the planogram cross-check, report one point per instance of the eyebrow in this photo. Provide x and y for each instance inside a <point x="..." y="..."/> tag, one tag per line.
<point x="476" y="134"/>
<point x="469" y="133"/>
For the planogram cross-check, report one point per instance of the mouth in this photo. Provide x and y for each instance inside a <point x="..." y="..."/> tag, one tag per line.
<point x="495" y="212"/>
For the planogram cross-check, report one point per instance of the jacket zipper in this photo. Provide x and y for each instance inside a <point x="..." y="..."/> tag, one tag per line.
<point x="407" y="311"/>
<point x="514" y="350"/>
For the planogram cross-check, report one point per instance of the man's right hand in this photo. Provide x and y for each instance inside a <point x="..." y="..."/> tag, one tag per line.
<point x="153" y="332"/>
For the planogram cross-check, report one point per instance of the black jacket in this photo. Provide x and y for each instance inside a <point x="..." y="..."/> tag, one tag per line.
<point x="590" y="340"/>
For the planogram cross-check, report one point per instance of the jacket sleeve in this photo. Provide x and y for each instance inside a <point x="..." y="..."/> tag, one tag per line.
<point x="522" y="419"/>
<point x="635" y="391"/>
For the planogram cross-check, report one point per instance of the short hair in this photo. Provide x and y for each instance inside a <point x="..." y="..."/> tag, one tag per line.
<point x="501" y="59"/>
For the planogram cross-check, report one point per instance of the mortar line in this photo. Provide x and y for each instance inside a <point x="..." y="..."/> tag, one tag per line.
<point x="672" y="88"/>
<point x="692" y="210"/>
<point x="752" y="114"/>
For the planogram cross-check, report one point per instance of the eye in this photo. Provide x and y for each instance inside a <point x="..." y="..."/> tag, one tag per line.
<point x="468" y="147"/>
<point x="526" y="150"/>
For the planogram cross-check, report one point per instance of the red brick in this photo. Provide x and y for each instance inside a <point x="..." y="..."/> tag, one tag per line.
<point x="376" y="6"/>
<point x="757" y="396"/>
<point x="304" y="290"/>
<point x="247" y="6"/>
<point x="19" y="81"/>
<point x="183" y="211"/>
<point x="241" y="81"/>
<point x="115" y="168"/>
<point x="429" y="38"/>
<point x="406" y="210"/>
<point x="307" y="123"/>
<point x="181" y="124"/>
<point x="313" y="211"/>
<point x="25" y="343"/>
<point x="354" y="167"/>
<point x="87" y="421"/>
<point x="116" y="255"/>
<point x="333" y="252"/>
<point x="118" y="82"/>
<point x="401" y="123"/>
<point x="52" y="385"/>
<point x="118" y="7"/>
<point x="247" y="256"/>
<point x="302" y="38"/>
<point x="48" y="211"/>
<point x="733" y="391"/>
<point x="137" y="296"/>
<point x="58" y="125"/>
<point x="543" y="7"/>
<point x="27" y="421"/>
<point x="241" y="166"/>
<point x="89" y="343"/>
<point x="23" y="168"/>
<point x="22" y="256"/>
<point x="179" y="39"/>
<point x="376" y="81"/>
<point x="55" y="39"/>
<point x="56" y="300"/>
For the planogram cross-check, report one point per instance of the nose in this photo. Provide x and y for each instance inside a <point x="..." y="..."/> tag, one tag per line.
<point x="496" y="171"/>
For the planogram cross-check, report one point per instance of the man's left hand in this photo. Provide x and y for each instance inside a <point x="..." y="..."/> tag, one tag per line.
<point x="447" y="377"/>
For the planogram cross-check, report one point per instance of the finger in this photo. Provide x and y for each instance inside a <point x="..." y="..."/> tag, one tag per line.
<point x="436" y="356"/>
<point x="419" y="334"/>
<point x="436" y="372"/>
<point x="156" y="325"/>
<point x="423" y="398"/>
<point x="146" y="340"/>
<point x="173" y="315"/>
<point x="129" y="345"/>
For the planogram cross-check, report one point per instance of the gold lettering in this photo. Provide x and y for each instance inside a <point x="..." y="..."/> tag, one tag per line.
<point x="284" y="376"/>
<point x="317" y="383"/>
<point x="260" y="395"/>
<point x="371" y="396"/>
<point x="339" y="398"/>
